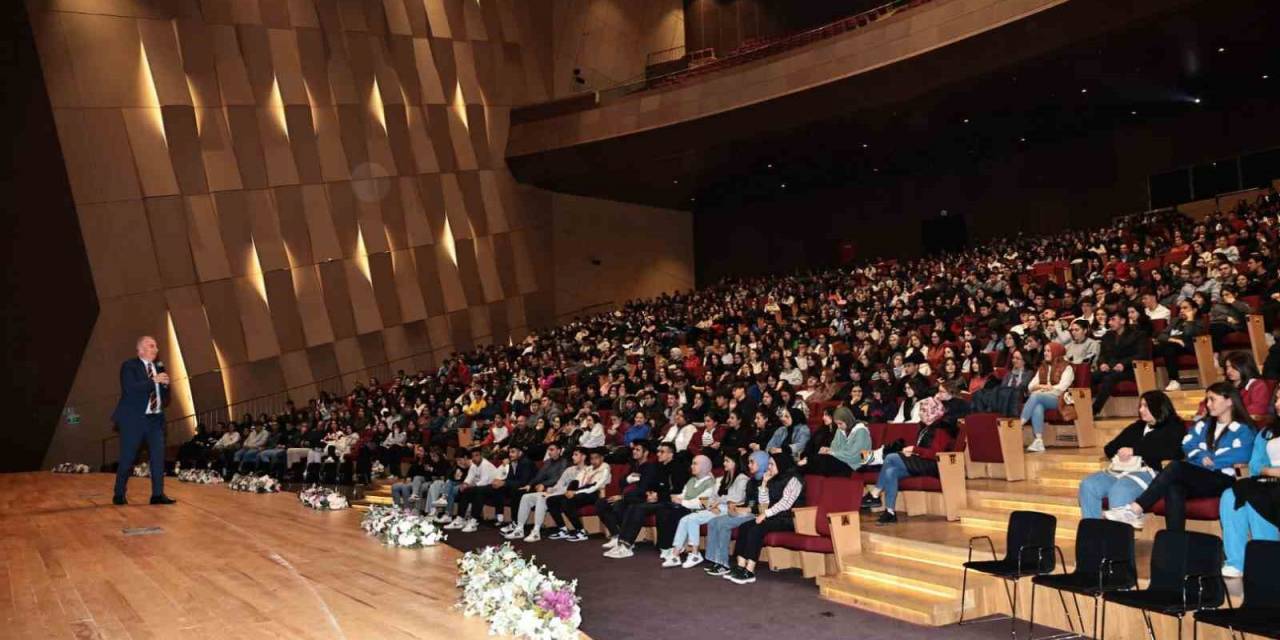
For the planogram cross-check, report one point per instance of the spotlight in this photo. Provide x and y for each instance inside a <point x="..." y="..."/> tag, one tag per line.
<point x="1197" y="101"/>
<point x="1084" y="91"/>
<point x="864" y="145"/>
<point x="675" y="182"/>
<point x="1022" y="139"/>
<point x="1222" y="49"/>
<point x="784" y="185"/>
<point x="1133" y="113"/>
<point x="966" y="121"/>
<point x="1265" y="76"/>
<point x="770" y="165"/>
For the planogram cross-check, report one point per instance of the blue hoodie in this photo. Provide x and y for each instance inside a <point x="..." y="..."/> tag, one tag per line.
<point x="1233" y="447"/>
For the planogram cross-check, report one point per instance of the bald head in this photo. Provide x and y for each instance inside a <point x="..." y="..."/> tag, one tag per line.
<point x="147" y="348"/>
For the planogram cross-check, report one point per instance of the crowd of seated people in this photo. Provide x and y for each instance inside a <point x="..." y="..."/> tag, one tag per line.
<point x="764" y="380"/>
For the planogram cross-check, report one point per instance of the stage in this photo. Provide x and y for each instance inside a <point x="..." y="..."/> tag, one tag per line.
<point x="223" y="565"/>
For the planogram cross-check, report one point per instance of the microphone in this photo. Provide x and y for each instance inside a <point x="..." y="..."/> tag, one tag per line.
<point x="160" y="369"/>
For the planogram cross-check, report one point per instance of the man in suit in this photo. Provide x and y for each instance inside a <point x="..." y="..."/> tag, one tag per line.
<point x="144" y="391"/>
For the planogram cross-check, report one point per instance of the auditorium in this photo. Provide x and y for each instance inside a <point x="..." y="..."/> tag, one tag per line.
<point x="630" y="319"/>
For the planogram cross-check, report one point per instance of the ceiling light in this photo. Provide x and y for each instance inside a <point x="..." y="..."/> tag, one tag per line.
<point x="1022" y="139"/>
<point x="875" y="170"/>
<point x="784" y="185"/>
<point x="966" y="121"/>
<point x="771" y="165"/>
<point x="1084" y="91"/>
<point x="1133" y="113"/>
<point x="675" y="182"/>
<point x="864" y="145"/>
<point x="1265" y="76"/>
<point x="1222" y="49"/>
<point x="1197" y="101"/>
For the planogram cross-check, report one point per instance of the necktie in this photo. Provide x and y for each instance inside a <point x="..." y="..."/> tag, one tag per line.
<point x="153" y="402"/>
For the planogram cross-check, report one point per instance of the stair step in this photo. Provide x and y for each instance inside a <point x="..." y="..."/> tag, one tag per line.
<point x="998" y="521"/>
<point x="880" y="572"/>
<point x="902" y="604"/>
<point x="1060" y="506"/>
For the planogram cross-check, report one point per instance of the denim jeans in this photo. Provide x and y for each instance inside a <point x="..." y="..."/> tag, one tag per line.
<point x="719" y="534"/>
<point x="688" y="530"/>
<point x="1239" y="525"/>
<point x="893" y="471"/>
<point x="446" y="488"/>
<point x="1117" y="491"/>
<point x="1034" y="408"/>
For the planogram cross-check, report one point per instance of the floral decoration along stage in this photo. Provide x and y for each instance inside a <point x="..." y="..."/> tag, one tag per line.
<point x="322" y="499"/>
<point x="200" y="476"/>
<point x="516" y="596"/>
<point x="142" y="470"/>
<point x="71" y="467"/>
<point x="398" y="528"/>
<point x="254" y="484"/>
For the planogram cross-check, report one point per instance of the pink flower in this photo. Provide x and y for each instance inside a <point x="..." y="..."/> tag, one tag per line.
<point x="559" y="602"/>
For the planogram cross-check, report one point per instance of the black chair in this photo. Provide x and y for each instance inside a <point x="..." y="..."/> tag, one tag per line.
<point x="1029" y="549"/>
<point x="1259" y="612"/>
<point x="1105" y="561"/>
<point x="1186" y="576"/>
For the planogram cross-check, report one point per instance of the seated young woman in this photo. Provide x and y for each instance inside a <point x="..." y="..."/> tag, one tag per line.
<point x="1137" y="454"/>
<point x="781" y="491"/>
<point x="920" y="459"/>
<point x="700" y="492"/>
<point x="848" y="449"/>
<point x="1250" y="509"/>
<point x="733" y="515"/>
<point x="1213" y="447"/>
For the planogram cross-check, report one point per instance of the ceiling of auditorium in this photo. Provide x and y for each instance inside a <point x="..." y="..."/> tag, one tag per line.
<point x="1220" y="52"/>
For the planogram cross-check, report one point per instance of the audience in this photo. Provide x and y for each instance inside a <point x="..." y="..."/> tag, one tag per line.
<point x="1250" y="509"/>
<point x="1223" y="439"/>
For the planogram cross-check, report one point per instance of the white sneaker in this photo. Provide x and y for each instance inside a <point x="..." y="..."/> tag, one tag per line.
<point x="1173" y="385"/>
<point x="1125" y="515"/>
<point x="619" y="552"/>
<point x="440" y="502"/>
<point x="1229" y="571"/>
<point x="456" y="523"/>
<point x="469" y="527"/>
<point x="613" y="542"/>
<point x="671" y="561"/>
<point x="443" y="519"/>
<point x="533" y="536"/>
<point x="507" y="528"/>
<point x="1036" y="446"/>
<point x="694" y="559"/>
<point x="665" y="554"/>
<point x="513" y="534"/>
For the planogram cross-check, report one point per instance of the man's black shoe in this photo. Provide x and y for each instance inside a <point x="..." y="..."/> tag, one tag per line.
<point x="119" y="500"/>
<point x="162" y="499"/>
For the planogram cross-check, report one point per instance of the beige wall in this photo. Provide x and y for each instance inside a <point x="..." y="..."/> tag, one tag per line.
<point x="610" y="39"/>
<point x="643" y="251"/>
<point x="285" y="191"/>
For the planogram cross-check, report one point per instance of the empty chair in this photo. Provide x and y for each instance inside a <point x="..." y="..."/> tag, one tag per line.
<point x="1259" y="613"/>
<point x="1029" y="549"/>
<point x="1186" y="576"/>
<point x="1105" y="561"/>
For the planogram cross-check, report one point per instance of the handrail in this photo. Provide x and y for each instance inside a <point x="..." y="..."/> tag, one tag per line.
<point x="270" y="403"/>
<point x="741" y="54"/>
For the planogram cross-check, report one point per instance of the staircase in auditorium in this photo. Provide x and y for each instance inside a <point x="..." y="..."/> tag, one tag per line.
<point x="912" y="570"/>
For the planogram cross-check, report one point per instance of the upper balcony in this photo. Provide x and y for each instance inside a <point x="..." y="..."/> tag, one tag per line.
<point x="703" y="85"/>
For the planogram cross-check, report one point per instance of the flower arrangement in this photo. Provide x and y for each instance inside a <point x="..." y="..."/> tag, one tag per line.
<point x="254" y="484"/>
<point x="142" y="470"/>
<point x="516" y="596"/>
<point x="377" y="470"/>
<point x="322" y="499"/>
<point x="71" y="467"/>
<point x="398" y="528"/>
<point x="200" y="476"/>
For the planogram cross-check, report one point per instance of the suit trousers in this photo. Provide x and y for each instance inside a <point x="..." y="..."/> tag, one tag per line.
<point x="149" y="429"/>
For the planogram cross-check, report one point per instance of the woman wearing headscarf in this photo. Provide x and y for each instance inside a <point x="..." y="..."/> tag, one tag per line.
<point x="781" y="490"/>
<point x="701" y="500"/>
<point x="1048" y="388"/>
<point x="849" y="449"/>
<point x="791" y="436"/>
<point x="734" y="514"/>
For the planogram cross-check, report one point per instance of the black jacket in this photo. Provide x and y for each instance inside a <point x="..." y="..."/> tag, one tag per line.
<point x="1163" y="444"/>
<point x="1125" y="348"/>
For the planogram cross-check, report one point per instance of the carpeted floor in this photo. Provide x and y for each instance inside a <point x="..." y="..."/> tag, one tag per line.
<point x="636" y="598"/>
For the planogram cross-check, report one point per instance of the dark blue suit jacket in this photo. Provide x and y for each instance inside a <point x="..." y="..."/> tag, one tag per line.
<point x="135" y="392"/>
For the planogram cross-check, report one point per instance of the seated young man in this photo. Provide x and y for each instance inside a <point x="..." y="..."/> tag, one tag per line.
<point x="535" y="501"/>
<point x="473" y="492"/>
<point x="590" y="483"/>
<point x="671" y="476"/>
<point x="641" y="474"/>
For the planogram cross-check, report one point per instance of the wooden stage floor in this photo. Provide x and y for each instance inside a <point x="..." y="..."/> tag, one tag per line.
<point x="225" y="565"/>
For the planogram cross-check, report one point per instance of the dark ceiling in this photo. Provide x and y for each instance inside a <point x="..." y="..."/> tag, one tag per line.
<point x="1081" y="67"/>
